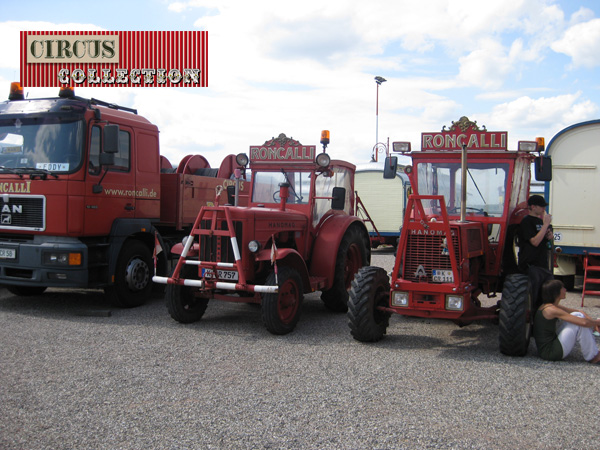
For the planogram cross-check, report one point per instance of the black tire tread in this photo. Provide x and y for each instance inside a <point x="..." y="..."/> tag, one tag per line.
<point x="364" y="325"/>
<point x="514" y="331"/>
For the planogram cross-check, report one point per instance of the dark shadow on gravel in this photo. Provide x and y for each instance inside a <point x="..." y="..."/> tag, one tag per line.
<point x="66" y="304"/>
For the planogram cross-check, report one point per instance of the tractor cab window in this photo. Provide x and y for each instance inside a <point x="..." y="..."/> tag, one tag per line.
<point x="49" y="143"/>
<point x="340" y="177"/>
<point x="265" y="187"/>
<point x="486" y="186"/>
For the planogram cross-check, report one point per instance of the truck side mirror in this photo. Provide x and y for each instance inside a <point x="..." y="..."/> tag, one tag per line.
<point x="543" y="168"/>
<point x="390" y="167"/>
<point x="111" y="139"/>
<point x="106" y="159"/>
<point x="339" y="198"/>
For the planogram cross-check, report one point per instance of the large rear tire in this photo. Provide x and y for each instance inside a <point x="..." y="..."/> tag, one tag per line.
<point x="515" y="321"/>
<point x="370" y="289"/>
<point x="133" y="276"/>
<point x="182" y="303"/>
<point x="281" y="311"/>
<point x="353" y="254"/>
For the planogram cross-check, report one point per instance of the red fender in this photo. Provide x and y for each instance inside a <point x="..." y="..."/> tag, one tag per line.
<point x="327" y="243"/>
<point x="290" y="258"/>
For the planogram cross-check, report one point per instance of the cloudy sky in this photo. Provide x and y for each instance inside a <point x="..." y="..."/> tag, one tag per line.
<point x="529" y="67"/>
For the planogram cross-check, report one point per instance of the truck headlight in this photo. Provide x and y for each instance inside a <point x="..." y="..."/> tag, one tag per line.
<point x="400" y="298"/>
<point x="62" y="258"/>
<point x="253" y="246"/>
<point x="454" y="302"/>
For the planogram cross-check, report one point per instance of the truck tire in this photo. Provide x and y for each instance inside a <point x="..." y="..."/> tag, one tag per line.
<point x="133" y="276"/>
<point x="352" y="255"/>
<point x="182" y="303"/>
<point x="370" y="289"/>
<point x="26" y="291"/>
<point x="281" y="311"/>
<point x="515" y="315"/>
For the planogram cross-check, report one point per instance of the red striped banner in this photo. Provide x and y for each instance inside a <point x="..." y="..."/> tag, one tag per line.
<point x="138" y="58"/>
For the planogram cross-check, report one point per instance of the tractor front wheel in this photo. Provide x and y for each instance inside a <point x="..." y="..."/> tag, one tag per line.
<point x="281" y="311"/>
<point x="370" y="289"/>
<point x="515" y="321"/>
<point x="182" y="303"/>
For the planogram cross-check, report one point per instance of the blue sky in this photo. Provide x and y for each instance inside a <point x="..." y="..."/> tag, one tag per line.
<point x="529" y="67"/>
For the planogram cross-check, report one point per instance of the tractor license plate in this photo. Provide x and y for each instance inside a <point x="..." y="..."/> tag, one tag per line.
<point x="223" y="274"/>
<point x="8" y="253"/>
<point x="442" y="276"/>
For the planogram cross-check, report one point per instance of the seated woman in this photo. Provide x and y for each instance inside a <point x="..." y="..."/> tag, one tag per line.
<point x="556" y="342"/>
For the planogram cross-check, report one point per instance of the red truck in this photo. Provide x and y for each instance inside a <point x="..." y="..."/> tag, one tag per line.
<point x="298" y="234"/>
<point x="85" y="195"/>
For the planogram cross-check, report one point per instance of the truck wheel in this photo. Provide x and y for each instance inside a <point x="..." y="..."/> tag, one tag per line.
<point x="25" y="291"/>
<point x="370" y="289"/>
<point x="352" y="255"/>
<point x="182" y="303"/>
<point x="281" y="311"/>
<point x="514" y="319"/>
<point x="133" y="279"/>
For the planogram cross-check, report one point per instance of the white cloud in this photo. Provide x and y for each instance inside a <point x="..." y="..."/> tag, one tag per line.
<point x="543" y="116"/>
<point x="581" y="42"/>
<point x="300" y="67"/>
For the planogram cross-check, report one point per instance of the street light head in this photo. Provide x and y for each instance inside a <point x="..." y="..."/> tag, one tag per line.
<point x="380" y="80"/>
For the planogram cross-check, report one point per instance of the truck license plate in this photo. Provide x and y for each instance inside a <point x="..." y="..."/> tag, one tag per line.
<point x="442" y="276"/>
<point x="223" y="274"/>
<point x="8" y="253"/>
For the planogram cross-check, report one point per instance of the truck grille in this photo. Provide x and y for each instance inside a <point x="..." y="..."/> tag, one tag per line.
<point x="218" y="248"/>
<point x="23" y="212"/>
<point x="427" y="251"/>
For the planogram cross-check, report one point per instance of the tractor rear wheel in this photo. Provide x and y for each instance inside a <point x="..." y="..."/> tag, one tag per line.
<point x="353" y="254"/>
<point x="182" y="303"/>
<point x="515" y="321"/>
<point x="370" y="289"/>
<point x="281" y="311"/>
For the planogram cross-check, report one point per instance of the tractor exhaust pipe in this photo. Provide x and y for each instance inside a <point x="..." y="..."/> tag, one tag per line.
<point x="463" y="188"/>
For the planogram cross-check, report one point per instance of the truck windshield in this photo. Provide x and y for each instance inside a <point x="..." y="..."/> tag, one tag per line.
<point x="265" y="186"/>
<point x="48" y="144"/>
<point x="486" y="186"/>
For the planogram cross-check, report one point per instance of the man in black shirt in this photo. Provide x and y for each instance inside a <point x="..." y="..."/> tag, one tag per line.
<point x="535" y="233"/>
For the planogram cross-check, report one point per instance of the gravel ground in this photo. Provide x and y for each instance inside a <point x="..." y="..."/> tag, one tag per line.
<point x="76" y="374"/>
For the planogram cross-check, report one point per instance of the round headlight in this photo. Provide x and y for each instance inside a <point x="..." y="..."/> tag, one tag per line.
<point x="242" y="159"/>
<point x="253" y="246"/>
<point x="323" y="160"/>
<point x="408" y="169"/>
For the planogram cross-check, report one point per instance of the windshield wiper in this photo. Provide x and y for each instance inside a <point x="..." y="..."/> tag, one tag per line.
<point x="33" y="172"/>
<point x="10" y="170"/>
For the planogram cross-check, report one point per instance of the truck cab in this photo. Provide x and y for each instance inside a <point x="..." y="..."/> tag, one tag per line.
<point x="86" y="195"/>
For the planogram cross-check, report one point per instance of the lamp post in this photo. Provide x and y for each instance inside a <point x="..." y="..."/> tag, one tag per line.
<point x="378" y="80"/>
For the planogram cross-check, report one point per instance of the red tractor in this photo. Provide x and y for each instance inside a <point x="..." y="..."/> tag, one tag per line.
<point x="297" y="235"/>
<point x="457" y="243"/>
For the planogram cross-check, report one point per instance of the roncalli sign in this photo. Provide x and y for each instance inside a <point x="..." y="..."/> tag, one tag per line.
<point x="464" y="132"/>
<point x="282" y="149"/>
